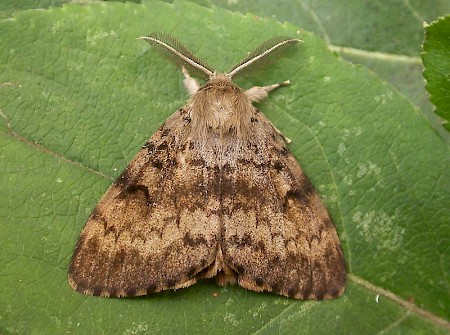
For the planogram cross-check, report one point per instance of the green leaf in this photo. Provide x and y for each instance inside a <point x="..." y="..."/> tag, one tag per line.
<point x="8" y="7"/>
<point x="436" y="59"/>
<point x="79" y="95"/>
<point x="384" y="36"/>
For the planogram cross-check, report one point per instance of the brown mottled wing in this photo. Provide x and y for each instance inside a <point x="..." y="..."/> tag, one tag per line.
<point x="156" y="227"/>
<point x="278" y="235"/>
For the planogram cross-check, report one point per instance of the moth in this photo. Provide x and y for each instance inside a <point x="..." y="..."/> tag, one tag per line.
<point x="214" y="192"/>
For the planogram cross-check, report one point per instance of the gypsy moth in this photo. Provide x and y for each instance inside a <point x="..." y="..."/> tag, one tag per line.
<point x="213" y="193"/>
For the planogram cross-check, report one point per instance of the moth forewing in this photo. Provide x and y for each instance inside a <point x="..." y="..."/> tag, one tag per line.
<point x="213" y="193"/>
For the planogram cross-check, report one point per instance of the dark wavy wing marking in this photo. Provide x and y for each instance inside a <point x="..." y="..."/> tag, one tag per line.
<point x="156" y="227"/>
<point x="278" y="235"/>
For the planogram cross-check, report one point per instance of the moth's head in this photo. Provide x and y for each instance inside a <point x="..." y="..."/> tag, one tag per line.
<point x="220" y="76"/>
<point x="219" y="83"/>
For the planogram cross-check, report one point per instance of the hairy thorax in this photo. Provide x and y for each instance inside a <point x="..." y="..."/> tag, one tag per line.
<point x="220" y="108"/>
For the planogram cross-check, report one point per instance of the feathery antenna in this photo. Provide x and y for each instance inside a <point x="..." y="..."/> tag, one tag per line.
<point x="263" y="52"/>
<point x="172" y="49"/>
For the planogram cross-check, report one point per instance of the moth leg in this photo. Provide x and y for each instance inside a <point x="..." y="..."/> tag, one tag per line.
<point x="190" y="83"/>
<point x="258" y="93"/>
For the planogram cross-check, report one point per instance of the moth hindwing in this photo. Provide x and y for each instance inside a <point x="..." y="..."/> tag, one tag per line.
<point x="214" y="192"/>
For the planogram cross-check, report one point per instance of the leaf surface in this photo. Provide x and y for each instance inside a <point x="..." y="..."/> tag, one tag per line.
<point x="79" y="95"/>
<point x="436" y="59"/>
